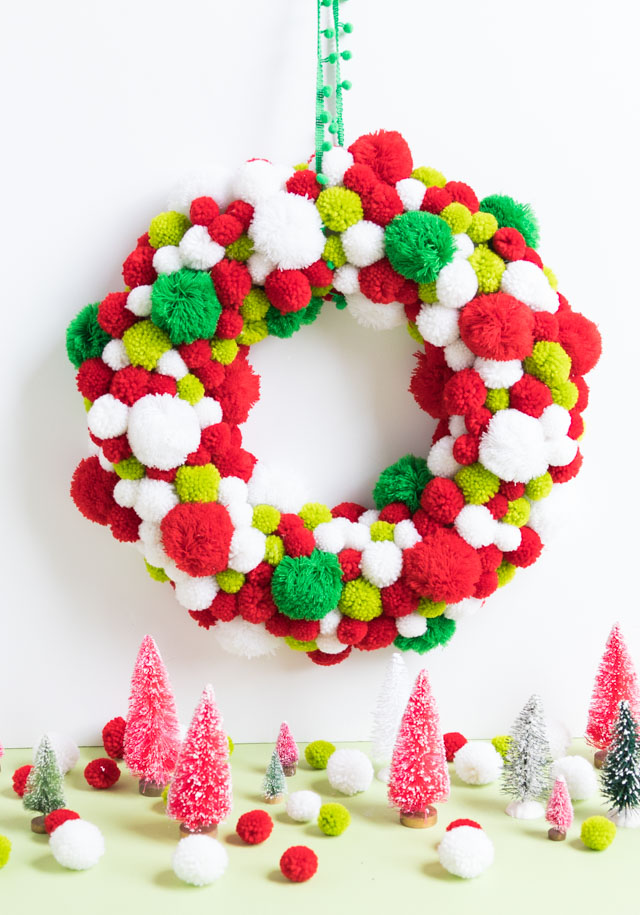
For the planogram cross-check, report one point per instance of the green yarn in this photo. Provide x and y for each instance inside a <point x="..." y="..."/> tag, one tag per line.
<point x="190" y="388"/>
<point x="230" y="581"/>
<point x="317" y="753"/>
<point x="478" y="484"/>
<point x="360" y="600"/>
<point x="414" y="333"/>
<point x="241" y="249"/>
<point x="439" y="631"/>
<point x="129" y="469"/>
<point x="382" y="530"/>
<point x="145" y="343"/>
<point x="5" y="850"/>
<point x="224" y="351"/>
<point x="197" y="484"/>
<point x="539" y="488"/>
<point x="307" y="587"/>
<point x="334" y="252"/>
<point x="85" y="338"/>
<point x="311" y="312"/>
<point x="501" y="744"/>
<point x="167" y="229"/>
<point x="403" y="481"/>
<point x="427" y="293"/>
<point x="298" y="645"/>
<point x="333" y="819"/>
<point x="266" y="518"/>
<point x="430" y="609"/>
<point x="315" y="513"/>
<point x="598" y="833"/>
<point x="508" y="212"/>
<point x="339" y="208"/>
<point x="488" y="267"/>
<point x="285" y="325"/>
<point x="549" y="362"/>
<point x="430" y="177"/>
<point x="497" y="399"/>
<point x="418" y="245"/>
<point x="185" y="305"/>
<point x="252" y="332"/>
<point x="255" y="305"/>
<point x="506" y="572"/>
<point x="483" y="227"/>
<point x="457" y="216"/>
<point x="274" y="550"/>
<point x="518" y="512"/>
<point x="565" y="394"/>
<point x="156" y="573"/>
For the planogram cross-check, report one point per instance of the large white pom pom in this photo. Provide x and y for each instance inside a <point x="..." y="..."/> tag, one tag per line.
<point x="247" y="640"/>
<point x="304" y="806"/>
<point x="411" y="193"/>
<point x="513" y="446"/>
<point x="345" y="279"/>
<point x="440" y="459"/>
<point x="561" y="451"/>
<point x="363" y="243"/>
<point x="335" y="163"/>
<point x="232" y="490"/>
<point x="357" y="536"/>
<point x="241" y="514"/>
<point x="108" y="417"/>
<point x="498" y="374"/>
<point x="457" y="284"/>
<point x="579" y="775"/>
<point x="139" y="301"/>
<point x="198" y="250"/>
<point x="381" y="563"/>
<point x="411" y="626"/>
<point x="477" y="763"/>
<point x="525" y="810"/>
<point x="65" y="748"/>
<point x="155" y="499"/>
<point x="247" y="549"/>
<point x="349" y="771"/>
<point x="464" y="246"/>
<point x="167" y="259"/>
<point x="115" y="355"/>
<point x="163" y="430"/>
<point x="476" y="525"/>
<point x="370" y="314"/>
<point x="466" y="851"/>
<point x="555" y="421"/>
<point x="287" y="229"/>
<point x="259" y="180"/>
<point x="438" y="324"/>
<point x="507" y="537"/>
<point x="526" y="281"/>
<point x="199" y="860"/>
<point x="196" y="593"/>
<point x="77" y="844"/>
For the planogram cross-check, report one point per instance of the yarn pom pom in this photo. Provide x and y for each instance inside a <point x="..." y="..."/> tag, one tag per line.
<point x="579" y="775"/>
<point x="113" y="737"/>
<point x="66" y="750"/>
<point x="333" y="819"/>
<point x="303" y="806"/>
<point x="453" y="741"/>
<point x="58" y="817"/>
<point x="102" y="773"/>
<point x="299" y="863"/>
<point x="19" y="779"/>
<point x="349" y="771"/>
<point x="254" y="827"/>
<point x="478" y="763"/>
<point x="598" y="833"/>
<point x="466" y="851"/>
<point x="5" y="850"/>
<point x="419" y="245"/>
<point x="317" y="753"/>
<point x="199" y="860"/>
<point x="77" y="845"/>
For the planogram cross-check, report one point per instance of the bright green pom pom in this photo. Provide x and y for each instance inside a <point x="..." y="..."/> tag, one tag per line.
<point x="430" y="177"/>
<point x="457" y="216"/>
<point x="339" y="208"/>
<point x="224" y="351"/>
<point x="488" y="267"/>
<point x="190" y="388"/>
<point x="565" y="394"/>
<point x="414" y="333"/>
<point x="145" y="343"/>
<point x="252" y="332"/>
<point x="539" y="488"/>
<point x="483" y="227"/>
<point x="598" y="833"/>
<point x="382" y="530"/>
<point x="156" y="573"/>
<point x="274" y="550"/>
<point x="439" y="631"/>
<point x="307" y="587"/>
<point x="549" y="362"/>
<point x="497" y="399"/>
<point x="518" y="512"/>
<point x="403" y="481"/>
<point x="297" y="645"/>
<point x="311" y="312"/>
<point x="129" y="469"/>
<point x="85" y="338"/>
<point x="231" y="745"/>
<point x="478" y="484"/>
<point x="230" y="581"/>
<point x="318" y="752"/>
<point x="197" y="484"/>
<point x="185" y="305"/>
<point x="333" y="819"/>
<point x="550" y="275"/>
<point x="334" y="252"/>
<point x="501" y="744"/>
<point x="431" y="608"/>
<point x="315" y="513"/>
<point x="505" y="572"/>
<point x="508" y="212"/>
<point x="5" y="850"/>
<point x="419" y="245"/>
<point x="283" y="325"/>
<point x="427" y="293"/>
<point x="255" y="305"/>
<point x="240" y="250"/>
<point x="266" y="518"/>
<point x="360" y="600"/>
<point x="167" y="229"/>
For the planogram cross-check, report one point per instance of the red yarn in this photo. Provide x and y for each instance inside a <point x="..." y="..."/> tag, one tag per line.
<point x="381" y="632"/>
<point x="278" y="625"/>
<point x="581" y="339"/>
<point x="328" y="660"/>
<point x="92" y="490"/>
<point x="19" y="779"/>
<point x="242" y="211"/>
<point x="58" y="817"/>
<point x="360" y="178"/>
<point x="113" y="317"/>
<point x="533" y="257"/>
<point x="412" y="311"/>
<point x="116" y="449"/>
<point x="530" y="395"/>
<point x="497" y="326"/>
<point x="203" y="210"/>
<point x="304" y="183"/>
<point x="124" y="524"/>
<point x="211" y="375"/>
<point x="477" y="420"/>
<point x="545" y="326"/>
<point x="583" y="392"/>
<point x="423" y="523"/>
<point x="236" y="462"/>
<point x="162" y="384"/>
<point x="138" y="269"/>
<point x="528" y="551"/>
<point x="349" y="510"/>
<point x="463" y="392"/>
<point x="568" y="472"/>
<point x="304" y="630"/>
<point x="196" y="354"/>
<point x="498" y="506"/>
<point x="509" y="244"/>
<point x="486" y="585"/>
<point x="381" y="204"/>
<point x="130" y="384"/>
<point x="453" y="740"/>
<point x="216" y="439"/>
<point x="203" y="618"/>
<point x="511" y="490"/>
<point x="197" y="536"/>
<point x="442" y="567"/>
<point x="399" y="599"/>
<point x="238" y="392"/>
<point x="254" y="827"/>
<point x="199" y="457"/>
<point x="297" y="539"/>
<point x="288" y="290"/>
<point x="167" y="476"/>
<point x="380" y="282"/>
<point x="254" y="601"/>
<point x="435" y="200"/>
<point x="224" y="607"/>
<point x="395" y="512"/>
<point x="465" y="449"/>
<point x="386" y="152"/>
<point x="576" y="427"/>
<point x="318" y="274"/>
<point x="299" y="863"/>
<point x="102" y="773"/>
<point x="351" y="631"/>
<point x="462" y="822"/>
<point x="490" y="557"/>
<point x="442" y="500"/>
<point x="230" y="324"/>
<point x="462" y="193"/>
<point x="428" y="381"/>
<point x="232" y="282"/>
<point x="225" y="229"/>
<point x="94" y="378"/>
<point x="113" y="737"/>
<point x="350" y="560"/>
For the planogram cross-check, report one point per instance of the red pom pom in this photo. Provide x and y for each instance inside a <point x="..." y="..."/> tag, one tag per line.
<point x="381" y="632"/>
<point x="242" y="211"/>
<point x="232" y="282"/>
<point x="442" y="500"/>
<point x="288" y="290"/>
<point x="453" y="740"/>
<point x="224" y="607"/>
<point x="509" y="244"/>
<point x="350" y="631"/>
<point x="162" y="384"/>
<point x="528" y="551"/>
<point x="435" y="200"/>
<point x="254" y="600"/>
<point x="498" y="506"/>
<point x="328" y="660"/>
<point x="167" y="476"/>
<point x="511" y="490"/>
<point x="583" y="393"/>
<point x="381" y="204"/>
<point x="423" y="523"/>
<point x="254" y="827"/>
<point x="428" y="381"/>
<point x="225" y="229"/>
<point x="380" y="282"/>
<point x="19" y="779"/>
<point x="576" y="427"/>
<point x="462" y="822"/>
<point x="236" y="462"/>
<point x="102" y="773"/>
<point x="318" y="274"/>
<point x="386" y="152"/>
<point x="349" y="560"/>
<point x="581" y="339"/>
<point x="138" y="268"/>
<point x="361" y="179"/>
<point x="230" y="324"/>
<point x="304" y="183"/>
<point x="211" y="375"/>
<point x="304" y="630"/>
<point x="113" y="317"/>
<point x="530" y="395"/>
<point x="465" y="449"/>
<point x="545" y="326"/>
<point x="197" y="536"/>
<point x="477" y="420"/>
<point x="462" y="193"/>
<point x="92" y="490"/>
<point x="486" y="585"/>
<point x="442" y="567"/>
<point x="412" y="311"/>
<point x="563" y="474"/>
<point x="497" y="326"/>
<point x="533" y="257"/>
<point x="203" y="210"/>
<point x="278" y="625"/>
<point x="490" y="557"/>
<point x="463" y="392"/>
<point x="394" y="513"/>
<point x="239" y="391"/>
<point x="58" y="817"/>
<point x="94" y="378"/>
<point x="124" y="524"/>
<point x="116" y="449"/>
<point x="299" y="863"/>
<point x="297" y="539"/>
<point x="130" y="384"/>
<point x="196" y="354"/>
<point x="203" y="618"/>
<point x="216" y="439"/>
<point x="399" y="599"/>
<point x="199" y="457"/>
<point x="113" y="737"/>
<point x="349" y="510"/>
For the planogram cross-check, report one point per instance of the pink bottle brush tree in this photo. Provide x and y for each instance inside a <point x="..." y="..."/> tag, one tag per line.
<point x="559" y="811"/>
<point x="287" y="750"/>
<point x="616" y="680"/>
<point x="151" y="737"/>
<point x="200" y="791"/>
<point x="418" y="776"/>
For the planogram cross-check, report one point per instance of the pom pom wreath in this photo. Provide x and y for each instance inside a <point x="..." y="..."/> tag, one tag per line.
<point x="299" y="863"/>
<point x="77" y="844"/>
<point x="19" y="779"/>
<point x="58" y="817"/>
<point x="466" y="851"/>
<point x="478" y="763"/>
<point x="333" y="819"/>
<point x="579" y="775"/>
<point x="303" y="806"/>
<point x="597" y="833"/>
<point x="102" y="773"/>
<point x="453" y="741"/>
<point x="318" y="752"/>
<point x="254" y="827"/>
<point x="349" y="771"/>
<point x="199" y="860"/>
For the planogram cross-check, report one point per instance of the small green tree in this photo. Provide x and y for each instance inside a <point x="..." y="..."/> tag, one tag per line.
<point x="621" y="770"/>
<point x="43" y="790"/>
<point x="525" y="776"/>
<point x="275" y="782"/>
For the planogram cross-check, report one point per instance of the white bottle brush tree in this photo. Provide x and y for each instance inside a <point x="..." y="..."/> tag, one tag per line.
<point x="621" y="770"/>
<point x="526" y="772"/>
<point x="390" y="706"/>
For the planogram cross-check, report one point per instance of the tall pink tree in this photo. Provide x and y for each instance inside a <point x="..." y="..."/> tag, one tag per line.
<point x="200" y="791"/>
<point x="418" y="775"/>
<point x="151" y="737"/>
<point x="559" y="810"/>
<point x="615" y="680"/>
<point x="287" y="749"/>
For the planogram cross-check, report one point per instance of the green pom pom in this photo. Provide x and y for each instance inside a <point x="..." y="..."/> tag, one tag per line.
<point x="240" y="250"/>
<point x="419" y="245"/>
<point x="382" y="530"/>
<point x="549" y="362"/>
<point x="190" y="388"/>
<point x="333" y="819"/>
<point x="483" y="227"/>
<point x="5" y="850"/>
<point x="505" y="572"/>
<point x="197" y="484"/>
<point x="488" y="267"/>
<point x="508" y="212"/>
<point x="339" y="208"/>
<point x="431" y="608"/>
<point x="478" y="484"/>
<point x="598" y="833"/>
<point x="85" y="338"/>
<point x="360" y="600"/>
<point x="167" y="229"/>
<point x="439" y="631"/>
<point x="252" y="332"/>
<point x="565" y="394"/>
<point x="497" y="399"/>
<point x="430" y="177"/>
<point x="427" y="293"/>
<point x="403" y="481"/>
<point x="255" y="305"/>
<point x="517" y="513"/>
<point x="224" y="351"/>
<point x="266" y="518"/>
<point x="156" y="573"/>
<point x="457" y="216"/>
<point x="311" y="312"/>
<point x="315" y="513"/>
<point x="501" y="744"/>
<point x="185" y="305"/>
<point x="539" y="488"/>
<point x="298" y="645"/>
<point x="231" y="745"/>
<point x="274" y="550"/>
<point x="334" y="252"/>
<point x="230" y="581"/>
<point x="307" y="587"/>
<point x="318" y="752"/>
<point x="129" y="469"/>
<point x="145" y="343"/>
<point x="283" y="325"/>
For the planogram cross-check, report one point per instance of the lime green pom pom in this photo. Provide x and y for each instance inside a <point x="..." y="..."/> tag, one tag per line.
<point x="190" y="389"/>
<point x="334" y="252"/>
<point x="565" y="394"/>
<point x="240" y="250"/>
<point x="339" y="208"/>
<point x="598" y="833"/>
<point x="315" y="513"/>
<point x="317" y="753"/>
<point x="419" y="245"/>
<point x="403" y="481"/>
<point x="505" y="572"/>
<point x="230" y="581"/>
<point x="266" y="518"/>
<point x="231" y="745"/>
<point x="197" y="484"/>
<point x="539" y="488"/>
<point x="85" y="338"/>
<point x="5" y="850"/>
<point x="167" y="229"/>
<point x="129" y="469"/>
<point x="156" y="573"/>
<point x="360" y="600"/>
<point x="431" y="608"/>
<point x="497" y="399"/>
<point x="255" y="305"/>
<point x="87" y="403"/>
<point x="427" y="293"/>
<point x="457" y="216"/>
<point x="274" y="550"/>
<point x="253" y="332"/>
<point x="224" y="351"/>
<point x="549" y="362"/>
<point x="414" y="333"/>
<point x="501" y="744"/>
<point x="478" y="484"/>
<point x="184" y="304"/>
<point x="145" y="343"/>
<point x="518" y="512"/>
<point x="550" y="275"/>
<point x="297" y="645"/>
<point x="165" y="794"/>
<point x="307" y="587"/>
<point x="333" y="819"/>
<point x="488" y="268"/>
<point x="439" y="630"/>
<point x="430" y="177"/>
<point x="509" y="212"/>
<point x="382" y="530"/>
<point x="483" y="227"/>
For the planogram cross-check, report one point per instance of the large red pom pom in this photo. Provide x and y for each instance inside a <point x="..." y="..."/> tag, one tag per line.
<point x="463" y="392"/>
<point x="381" y="204"/>
<point x="94" y="378"/>
<point x="92" y="490"/>
<point x="232" y="282"/>
<point x="19" y="779"/>
<point x="509" y="244"/>
<point x="203" y="210"/>
<point x="299" y="863"/>
<point x="351" y="631"/>
<point x="124" y="524"/>
<point x="442" y="567"/>
<point x="395" y="512"/>
<point x="381" y="632"/>
<point x="462" y="193"/>
<point x="102" y="773"/>
<point x="568" y="472"/>
<point x="58" y="817"/>
<point x="361" y="179"/>
<point x="453" y="740"/>
<point x="442" y="500"/>
<point x="254" y="600"/>
<point x="138" y="269"/>
<point x="242" y="211"/>
<point x="304" y="183"/>
<point x="530" y="395"/>
<point x="380" y="282"/>
<point x="399" y="599"/>
<point x="386" y="152"/>
<point x="197" y="536"/>
<point x="288" y="290"/>
<point x="238" y="392"/>
<point x="497" y="326"/>
<point x="435" y="200"/>
<point x="428" y="381"/>
<point x="349" y="510"/>
<point x="113" y="737"/>
<point x="254" y="827"/>
<point x="581" y="339"/>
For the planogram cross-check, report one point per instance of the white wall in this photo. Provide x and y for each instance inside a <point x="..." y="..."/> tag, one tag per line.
<point x="105" y="107"/>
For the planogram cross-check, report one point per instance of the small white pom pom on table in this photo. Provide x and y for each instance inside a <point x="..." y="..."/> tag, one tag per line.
<point x="77" y="845"/>
<point x="349" y="771"/>
<point x="303" y="806"/>
<point x="199" y="860"/>
<point x="465" y="851"/>
<point x="477" y="763"/>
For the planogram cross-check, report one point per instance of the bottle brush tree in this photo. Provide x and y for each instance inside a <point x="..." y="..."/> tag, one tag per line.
<point x="621" y="770"/>
<point x="274" y="786"/>
<point x="559" y="810"/>
<point x="287" y="750"/>
<point x="43" y="790"/>
<point x="390" y="704"/>
<point x="525" y="776"/>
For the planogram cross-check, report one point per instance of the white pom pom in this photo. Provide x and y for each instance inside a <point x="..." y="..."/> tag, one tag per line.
<point x="304" y="806"/>
<point x="259" y="267"/>
<point x="513" y="446"/>
<point x="77" y="844"/>
<point x="330" y="622"/>
<point x="559" y="737"/>
<point x="258" y="180"/>
<point x="555" y="421"/>
<point x="464" y="246"/>
<point x="345" y="279"/>
<point x="525" y="810"/>
<point x="196" y="593"/>
<point x="208" y="411"/>
<point x="561" y="451"/>
<point x="199" y="860"/>
<point x="163" y="430"/>
<point x="476" y="525"/>
<point x="115" y="355"/>
<point x="456" y="284"/>
<point x="457" y="426"/>
<point x="547" y="516"/>
<point x="498" y="374"/>
<point x="463" y="609"/>
<point x="125" y="492"/>
<point x="357" y="536"/>
<point x="232" y="490"/>
<point x="369" y="517"/>
<point x="167" y="259"/>
<point x="155" y="499"/>
<point x="627" y="819"/>
<point x="154" y="554"/>
<point x="139" y="301"/>
<point x="507" y="537"/>
<point x="287" y="229"/>
<point x="65" y="748"/>
<point x="349" y="771"/>
<point x="198" y="250"/>
<point x="466" y="851"/>
<point x="335" y="163"/>
<point x="171" y="363"/>
<point x="329" y="644"/>
<point x="458" y="356"/>
<point x="104" y="463"/>
<point x="241" y="514"/>
<point x="477" y="763"/>
<point x="381" y="563"/>
<point x="108" y="417"/>
<point x="212" y="181"/>
<point x="330" y="535"/>
<point x="411" y="193"/>
<point x="411" y="626"/>
<point x="247" y="640"/>
<point x="579" y="774"/>
<point x="363" y="243"/>
<point x="275" y="487"/>
<point x="526" y="281"/>
<point x="370" y="314"/>
<point x="438" y="324"/>
<point x="247" y="549"/>
<point x="440" y="459"/>
<point x="405" y="534"/>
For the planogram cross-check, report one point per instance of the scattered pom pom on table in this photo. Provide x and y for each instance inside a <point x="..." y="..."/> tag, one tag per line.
<point x="65" y="748"/>
<point x="77" y="844"/>
<point x="19" y="779"/>
<point x="113" y="737"/>
<point x="58" y="817"/>
<point x="254" y="827"/>
<point x="102" y="773"/>
<point x="453" y="741"/>
<point x="5" y="850"/>
<point x="317" y="753"/>
<point x="478" y="763"/>
<point x="598" y="833"/>
<point x="579" y="775"/>
<point x="349" y="771"/>
<point x="333" y="819"/>
<point x="303" y="806"/>
<point x="501" y="744"/>
<point x="299" y="863"/>
<point x="199" y="860"/>
<point x="466" y="851"/>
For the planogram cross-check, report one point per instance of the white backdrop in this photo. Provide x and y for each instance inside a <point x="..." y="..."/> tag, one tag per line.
<point x="106" y="106"/>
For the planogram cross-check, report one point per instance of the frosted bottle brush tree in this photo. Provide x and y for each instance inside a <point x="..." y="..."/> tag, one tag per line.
<point x="43" y="791"/>
<point x="287" y="750"/>
<point x="274" y="786"/>
<point x="526" y="776"/>
<point x="390" y="704"/>
<point x="621" y="770"/>
<point x="559" y="812"/>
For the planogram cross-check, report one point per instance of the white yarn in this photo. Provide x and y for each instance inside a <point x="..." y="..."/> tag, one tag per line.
<point x="363" y="243"/>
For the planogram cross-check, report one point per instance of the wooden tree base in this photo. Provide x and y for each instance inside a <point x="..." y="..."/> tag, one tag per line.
<point x="150" y="788"/>
<point x="290" y="770"/>
<point x="420" y="820"/>
<point x="278" y="799"/>
<point x="37" y="826"/>
<point x="210" y="830"/>
<point x="557" y="835"/>
<point x="599" y="758"/>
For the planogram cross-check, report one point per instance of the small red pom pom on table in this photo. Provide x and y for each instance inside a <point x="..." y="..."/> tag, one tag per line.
<point x="299" y="863"/>
<point x="254" y="827"/>
<point x="452" y="743"/>
<point x="58" y="817"/>
<point x="19" y="780"/>
<point x="102" y="773"/>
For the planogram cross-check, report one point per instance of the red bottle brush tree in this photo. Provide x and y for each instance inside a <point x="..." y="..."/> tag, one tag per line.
<point x="559" y="810"/>
<point x="418" y="776"/>
<point x="151" y="737"/>
<point x="616" y="680"/>
<point x="287" y="750"/>
<point x="200" y="791"/>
